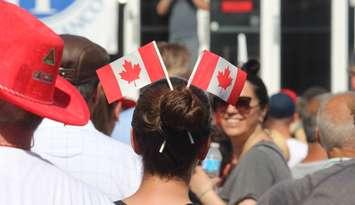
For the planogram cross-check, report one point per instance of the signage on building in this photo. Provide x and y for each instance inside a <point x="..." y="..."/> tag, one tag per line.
<point x="94" y="19"/>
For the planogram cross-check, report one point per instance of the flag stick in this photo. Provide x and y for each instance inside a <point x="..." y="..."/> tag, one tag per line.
<point x="164" y="68"/>
<point x="195" y="69"/>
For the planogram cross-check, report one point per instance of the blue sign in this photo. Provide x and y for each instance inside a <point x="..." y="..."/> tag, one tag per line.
<point x="45" y="8"/>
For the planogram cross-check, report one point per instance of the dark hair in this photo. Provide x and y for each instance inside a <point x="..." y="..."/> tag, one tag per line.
<point x="103" y="116"/>
<point x="252" y="67"/>
<point x="12" y="115"/>
<point x="165" y="115"/>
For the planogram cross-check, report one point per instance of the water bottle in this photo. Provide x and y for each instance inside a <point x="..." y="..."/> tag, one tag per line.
<point x="212" y="163"/>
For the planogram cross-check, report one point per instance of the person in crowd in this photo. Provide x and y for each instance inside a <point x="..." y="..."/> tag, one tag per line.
<point x="183" y="22"/>
<point x="316" y="157"/>
<point x="106" y="115"/>
<point x="261" y="164"/>
<point x="335" y="184"/>
<point x="296" y="128"/>
<point x="166" y="123"/>
<point x="281" y="115"/>
<point x="84" y="152"/>
<point x="30" y="89"/>
<point x="176" y="59"/>
<point x="122" y="127"/>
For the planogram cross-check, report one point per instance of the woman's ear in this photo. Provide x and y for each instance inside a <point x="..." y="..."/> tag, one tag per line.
<point x="263" y="114"/>
<point x="134" y="143"/>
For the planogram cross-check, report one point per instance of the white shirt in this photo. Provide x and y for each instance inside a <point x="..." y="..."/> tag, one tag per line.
<point x="26" y="179"/>
<point x="89" y="155"/>
<point x="298" y="151"/>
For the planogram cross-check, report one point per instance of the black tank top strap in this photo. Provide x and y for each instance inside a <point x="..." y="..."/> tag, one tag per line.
<point x="119" y="203"/>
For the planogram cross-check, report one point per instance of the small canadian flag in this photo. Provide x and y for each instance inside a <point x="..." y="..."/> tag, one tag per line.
<point x="216" y="75"/>
<point x="129" y="73"/>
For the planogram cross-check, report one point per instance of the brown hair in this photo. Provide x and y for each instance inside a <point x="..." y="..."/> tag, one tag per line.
<point x="252" y="67"/>
<point x="165" y="115"/>
<point x="103" y="116"/>
<point x="16" y="116"/>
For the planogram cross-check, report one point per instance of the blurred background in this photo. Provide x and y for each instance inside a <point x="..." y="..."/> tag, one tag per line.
<point x="300" y="43"/>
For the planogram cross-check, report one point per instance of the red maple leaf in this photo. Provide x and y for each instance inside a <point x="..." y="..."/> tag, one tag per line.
<point x="130" y="73"/>
<point x="224" y="79"/>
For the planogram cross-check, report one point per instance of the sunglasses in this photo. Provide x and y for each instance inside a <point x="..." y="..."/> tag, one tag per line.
<point x="243" y="105"/>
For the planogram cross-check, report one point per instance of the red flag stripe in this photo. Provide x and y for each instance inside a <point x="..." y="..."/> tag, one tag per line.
<point x="205" y="70"/>
<point x="237" y="88"/>
<point x="151" y="62"/>
<point x="109" y="83"/>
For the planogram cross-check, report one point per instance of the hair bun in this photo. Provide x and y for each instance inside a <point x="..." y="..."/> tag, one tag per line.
<point x="252" y="67"/>
<point x="180" y="110"/>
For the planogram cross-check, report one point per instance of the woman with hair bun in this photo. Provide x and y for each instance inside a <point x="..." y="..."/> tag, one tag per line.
<point x="171" y="132"/>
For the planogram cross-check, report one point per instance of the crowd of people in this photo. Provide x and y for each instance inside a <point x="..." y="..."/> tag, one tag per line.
<point x="62" y="143"/>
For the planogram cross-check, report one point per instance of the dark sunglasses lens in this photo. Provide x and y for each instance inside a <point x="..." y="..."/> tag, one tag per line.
<point x="243" y="103"/>
<point x="219" y="103"/>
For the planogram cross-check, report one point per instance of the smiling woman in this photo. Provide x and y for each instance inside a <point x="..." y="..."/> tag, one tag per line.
<point x="261" y="163"/>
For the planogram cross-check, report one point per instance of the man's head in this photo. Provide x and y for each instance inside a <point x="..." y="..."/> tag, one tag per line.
<point x="336" y="122"/>
<point x="281" y="108"/>
<point x="81" y="59"/>
<point x="176" y="58"/>
<point x="308" y="106"/>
